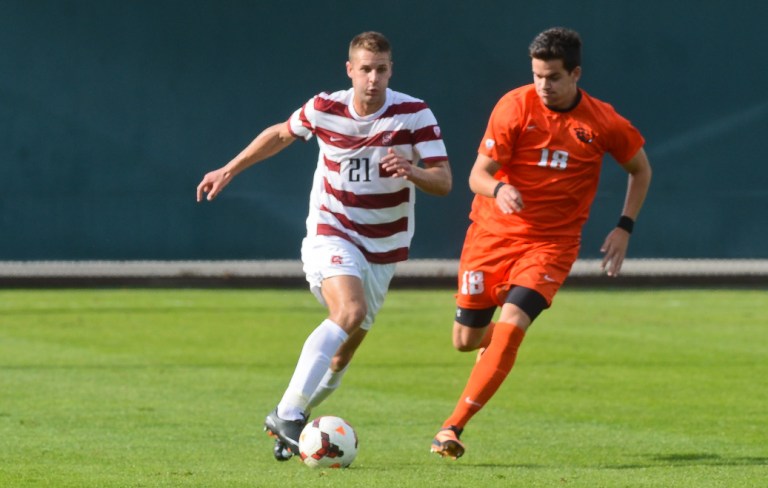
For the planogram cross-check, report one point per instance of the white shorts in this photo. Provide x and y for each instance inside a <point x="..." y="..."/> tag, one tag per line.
<point x="328" y="256"/>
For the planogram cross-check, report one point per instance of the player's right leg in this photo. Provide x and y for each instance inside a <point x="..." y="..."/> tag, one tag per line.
<point x="335" y="278"/>
<point x="286" y="433"/>
<point x="286" y="422"/>
<point x="376" y="280"/>
<point x="472" y="328"/>
<point x="288" y="419"/>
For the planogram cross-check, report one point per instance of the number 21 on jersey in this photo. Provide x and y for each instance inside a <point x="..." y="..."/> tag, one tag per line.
<point x="359" y="169"/>
<point x="559" y="159"/>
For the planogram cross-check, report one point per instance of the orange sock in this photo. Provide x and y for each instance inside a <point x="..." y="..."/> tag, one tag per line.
<point x="488" y="374"/>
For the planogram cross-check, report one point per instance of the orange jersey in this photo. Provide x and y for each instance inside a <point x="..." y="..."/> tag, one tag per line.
<point x="553" y="159"/>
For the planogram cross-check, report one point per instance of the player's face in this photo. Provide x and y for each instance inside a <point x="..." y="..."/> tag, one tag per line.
<point x="554" y="84"/>
<point x="370" y="73"/>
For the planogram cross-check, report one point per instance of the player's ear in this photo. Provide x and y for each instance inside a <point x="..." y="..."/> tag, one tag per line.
<point x="576" y="73"/>
<point x="349" y="69"/>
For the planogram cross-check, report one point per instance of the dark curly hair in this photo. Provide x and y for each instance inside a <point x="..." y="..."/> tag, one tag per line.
<point x="557" y="43"/>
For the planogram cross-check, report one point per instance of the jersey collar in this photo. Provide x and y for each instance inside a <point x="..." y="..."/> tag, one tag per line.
<point x="570" y="107"/>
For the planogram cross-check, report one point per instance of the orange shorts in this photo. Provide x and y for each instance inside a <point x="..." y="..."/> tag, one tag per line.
<point x="491" y="265"/>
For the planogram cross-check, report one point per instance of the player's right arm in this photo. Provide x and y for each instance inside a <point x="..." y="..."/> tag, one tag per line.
<point x="483" y="182"/>
<point x="271" y="141"/>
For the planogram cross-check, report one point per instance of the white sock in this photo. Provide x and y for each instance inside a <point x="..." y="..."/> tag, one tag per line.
<point x="328" y="385"/>
<point x="313" y="363"/>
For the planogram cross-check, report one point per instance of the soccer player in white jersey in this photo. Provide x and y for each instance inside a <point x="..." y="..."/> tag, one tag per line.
<point x="361" y="218"/>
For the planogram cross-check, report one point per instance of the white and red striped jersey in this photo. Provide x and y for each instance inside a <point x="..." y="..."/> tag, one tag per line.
<point x="352" y="197"/>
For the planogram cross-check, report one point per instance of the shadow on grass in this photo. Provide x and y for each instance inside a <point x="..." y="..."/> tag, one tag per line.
<point x="650" y="461"/>
<point x="147" y="309"/>
<point x="693" y="459"/>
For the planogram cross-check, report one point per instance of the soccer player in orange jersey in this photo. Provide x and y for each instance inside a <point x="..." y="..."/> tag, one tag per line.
<point x="535" y="177"/>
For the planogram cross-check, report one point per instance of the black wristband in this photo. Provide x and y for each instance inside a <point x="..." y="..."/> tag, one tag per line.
<point x="498" y="187"/>
<point x="626" y="223"/>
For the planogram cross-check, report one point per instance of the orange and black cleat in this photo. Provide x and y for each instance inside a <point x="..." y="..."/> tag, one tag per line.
<point x="447" y="444"/>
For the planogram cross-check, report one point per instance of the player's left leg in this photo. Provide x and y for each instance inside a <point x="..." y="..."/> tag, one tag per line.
<point x="537" y="277"/>
<point x="495" y="364"/>
<point x="489" y="372"/>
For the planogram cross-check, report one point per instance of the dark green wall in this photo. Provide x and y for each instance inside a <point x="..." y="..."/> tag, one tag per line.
<point x="111" y="112"/>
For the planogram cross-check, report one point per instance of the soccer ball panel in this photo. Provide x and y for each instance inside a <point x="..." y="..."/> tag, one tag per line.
<point x="328" y="442"/>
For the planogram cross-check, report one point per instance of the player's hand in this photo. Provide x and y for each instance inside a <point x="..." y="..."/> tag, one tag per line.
<point x="614" y="249"/>
<point x="396" y="165"/>
<point x="509" y="200"/>
<point x="213" y="183"/>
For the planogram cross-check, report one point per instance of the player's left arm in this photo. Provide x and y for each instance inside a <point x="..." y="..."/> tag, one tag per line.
<point x="434" y="178"/>
<point x="614" y="248"/>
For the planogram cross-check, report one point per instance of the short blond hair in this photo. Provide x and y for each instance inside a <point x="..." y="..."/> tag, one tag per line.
<point x="372" y="41"/>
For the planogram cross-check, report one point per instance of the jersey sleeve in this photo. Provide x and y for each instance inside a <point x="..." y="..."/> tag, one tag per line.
<point x="302" y="121"/>
<point x="428" y="139"/>
<point x="625" y="140"/>
<point x="502" y="130"/>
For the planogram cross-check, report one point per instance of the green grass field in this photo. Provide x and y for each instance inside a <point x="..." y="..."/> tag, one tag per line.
<point x="146" y="388"/>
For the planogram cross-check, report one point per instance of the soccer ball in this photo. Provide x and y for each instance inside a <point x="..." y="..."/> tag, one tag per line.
<point x="328" y="442"/>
